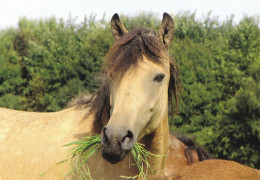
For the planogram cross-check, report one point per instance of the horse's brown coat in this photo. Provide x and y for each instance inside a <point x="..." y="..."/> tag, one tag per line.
<point x="217" y="169"/>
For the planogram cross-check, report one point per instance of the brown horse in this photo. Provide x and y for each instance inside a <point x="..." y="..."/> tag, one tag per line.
<point x="216" y="169"/>
<point x="131" y="106"/>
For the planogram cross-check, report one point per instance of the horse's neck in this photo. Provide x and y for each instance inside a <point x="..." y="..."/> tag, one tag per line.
<point x="158" y="143"/>
<point x="82" y="124"/>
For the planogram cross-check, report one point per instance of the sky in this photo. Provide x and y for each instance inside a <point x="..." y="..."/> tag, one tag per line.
<point x="12" y="10"/>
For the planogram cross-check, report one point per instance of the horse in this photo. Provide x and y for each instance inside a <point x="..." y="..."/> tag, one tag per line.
<point x="216" y="169"/>
<point x="131" y="106"/>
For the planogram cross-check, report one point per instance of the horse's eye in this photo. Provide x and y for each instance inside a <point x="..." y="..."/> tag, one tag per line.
<point x="159" y="77"/>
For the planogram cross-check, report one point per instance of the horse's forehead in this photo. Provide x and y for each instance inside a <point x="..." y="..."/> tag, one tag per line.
<point x="147" y="65"/>
<point x="163" y="63"/>
<point x="144" y="69"/>
<point x="150" y="68"/>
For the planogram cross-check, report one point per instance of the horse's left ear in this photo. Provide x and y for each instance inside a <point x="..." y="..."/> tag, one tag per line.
<point x="166" y="30"/>
<point x="118" y="29"/>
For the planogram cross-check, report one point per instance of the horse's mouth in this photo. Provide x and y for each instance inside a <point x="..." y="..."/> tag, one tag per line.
<point x="116" y="147"/>
<point x="113" y="157"/>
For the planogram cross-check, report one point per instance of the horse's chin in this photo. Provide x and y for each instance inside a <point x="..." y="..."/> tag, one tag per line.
<point x="113" y="157"/>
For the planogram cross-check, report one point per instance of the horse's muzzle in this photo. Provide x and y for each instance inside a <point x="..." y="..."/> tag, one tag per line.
<point x="116" y="145"/>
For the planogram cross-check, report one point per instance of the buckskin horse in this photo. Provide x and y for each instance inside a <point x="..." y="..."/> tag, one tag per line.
<point x="131" y="106"/>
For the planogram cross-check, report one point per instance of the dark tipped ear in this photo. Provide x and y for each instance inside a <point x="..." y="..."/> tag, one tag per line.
<point x="118" y="29"/>
<point x="166" y="30"/>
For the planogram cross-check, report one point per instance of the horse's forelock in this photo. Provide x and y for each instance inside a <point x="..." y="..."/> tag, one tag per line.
<point x="130" y="49"/>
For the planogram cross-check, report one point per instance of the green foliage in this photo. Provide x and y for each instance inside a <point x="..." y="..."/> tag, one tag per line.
<point x="48" y="62"/>
<point x="220" y="75"/>
<point x="45" y="63"/>
<point x="238" y="131"/>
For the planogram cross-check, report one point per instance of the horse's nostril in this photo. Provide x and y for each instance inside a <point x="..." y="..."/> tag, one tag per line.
<point x="105" y="138"/>
<point x="129" y="135"/>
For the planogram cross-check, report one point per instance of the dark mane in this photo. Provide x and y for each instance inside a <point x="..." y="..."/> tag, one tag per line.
<point x="123" y="55"/>
<point x="193" y="146"/>
<point x="130" y="49"/>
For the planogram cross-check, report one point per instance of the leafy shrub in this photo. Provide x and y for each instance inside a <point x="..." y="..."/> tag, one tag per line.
<point x="45" y="63"/>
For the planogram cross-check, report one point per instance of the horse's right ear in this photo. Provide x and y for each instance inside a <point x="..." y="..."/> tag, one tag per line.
<point x="118" y="29"/>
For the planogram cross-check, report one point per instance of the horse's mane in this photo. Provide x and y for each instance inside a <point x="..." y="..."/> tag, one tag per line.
<point x="123" y="55"/>
<point x="193" y="146"/>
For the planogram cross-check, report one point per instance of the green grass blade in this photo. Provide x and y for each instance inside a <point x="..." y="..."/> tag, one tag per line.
<point x="85" y="148"/>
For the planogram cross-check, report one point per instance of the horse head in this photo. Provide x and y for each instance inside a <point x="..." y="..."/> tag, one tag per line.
<point x="139" y="71"/>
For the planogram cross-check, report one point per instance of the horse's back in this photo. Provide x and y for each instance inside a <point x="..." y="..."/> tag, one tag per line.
<point x="15" y="125"/>
<point x="217" y="169"/>
<point x="31" y="143"/>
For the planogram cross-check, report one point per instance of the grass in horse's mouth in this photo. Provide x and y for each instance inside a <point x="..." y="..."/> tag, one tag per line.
<point x="86" y="147"/>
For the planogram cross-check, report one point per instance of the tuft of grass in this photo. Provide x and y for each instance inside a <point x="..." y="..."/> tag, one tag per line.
<point x="141" y="156"/>
<point x="83" y="149"/>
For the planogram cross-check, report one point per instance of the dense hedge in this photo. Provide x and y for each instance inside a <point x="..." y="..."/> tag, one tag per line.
<point x="45" y="63"/>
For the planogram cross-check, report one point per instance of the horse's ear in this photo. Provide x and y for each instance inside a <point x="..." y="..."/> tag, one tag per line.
<point x="166" y="30"/>
<point x="118" y="29"/>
